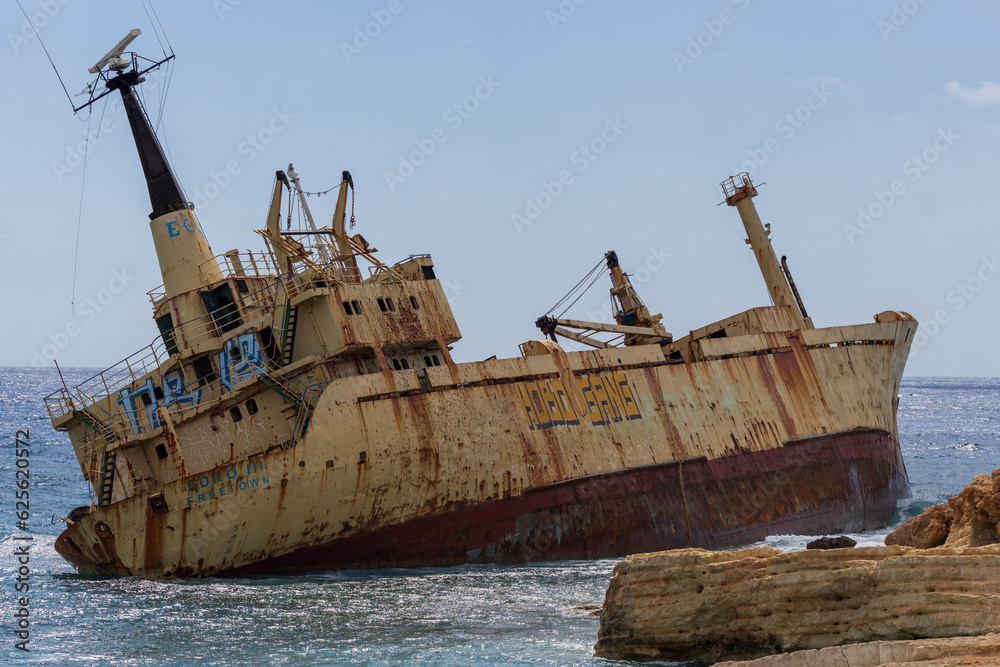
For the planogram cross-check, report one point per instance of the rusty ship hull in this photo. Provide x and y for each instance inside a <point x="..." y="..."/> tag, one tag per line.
<point x="504" y="461"/>
<point x="301" y="409"/>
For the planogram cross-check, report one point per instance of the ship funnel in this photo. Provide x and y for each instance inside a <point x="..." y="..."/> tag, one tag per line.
<point x="740" y="191"/>
<point x="185" y="257"/>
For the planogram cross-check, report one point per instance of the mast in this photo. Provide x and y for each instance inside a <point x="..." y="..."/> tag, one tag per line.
<point x="740" y="191"/>
<point x="319" y="241"/>
<point x="185" y="256"/>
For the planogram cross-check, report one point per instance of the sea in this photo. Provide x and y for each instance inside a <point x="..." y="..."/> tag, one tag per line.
<point x="463" y="616"/>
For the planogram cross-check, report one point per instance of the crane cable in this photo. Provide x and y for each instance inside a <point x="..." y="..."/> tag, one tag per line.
<point x="590" y="276"/>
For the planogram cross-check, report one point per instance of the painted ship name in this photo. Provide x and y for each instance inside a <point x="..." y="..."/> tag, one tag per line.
<point x="569" y="400"/>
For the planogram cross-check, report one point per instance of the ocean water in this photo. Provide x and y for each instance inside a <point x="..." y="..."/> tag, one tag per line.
<point x="470" y="615"/>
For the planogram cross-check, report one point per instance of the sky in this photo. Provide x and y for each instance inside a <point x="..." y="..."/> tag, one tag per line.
<point x="517" y="143"/>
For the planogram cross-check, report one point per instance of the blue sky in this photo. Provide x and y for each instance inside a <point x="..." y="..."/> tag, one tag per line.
<point x="516" y="143"/>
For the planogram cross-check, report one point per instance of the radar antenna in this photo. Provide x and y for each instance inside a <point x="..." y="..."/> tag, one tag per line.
<point x="112" y="66"/>
<point x="113" y="59"/>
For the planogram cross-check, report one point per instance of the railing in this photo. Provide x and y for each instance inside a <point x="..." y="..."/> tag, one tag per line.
<point x="243" y="264"/>
<point x="96" y="388"/>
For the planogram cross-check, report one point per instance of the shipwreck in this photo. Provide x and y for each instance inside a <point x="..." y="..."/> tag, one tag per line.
<point x="301" y="409"/>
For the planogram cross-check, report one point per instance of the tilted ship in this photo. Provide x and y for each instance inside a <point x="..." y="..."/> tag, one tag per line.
<point x="301" y="410"/>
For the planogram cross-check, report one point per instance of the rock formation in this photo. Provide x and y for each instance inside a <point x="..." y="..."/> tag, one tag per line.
<point x="956" y="652"/>
<point x="924" y="531"/>
<point x="842" y="542"/>
<point x="690" y="603"/>
<point x="970" y="519"/>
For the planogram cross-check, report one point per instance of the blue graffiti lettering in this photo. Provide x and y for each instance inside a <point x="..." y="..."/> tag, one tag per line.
<point x="241" y="358"/>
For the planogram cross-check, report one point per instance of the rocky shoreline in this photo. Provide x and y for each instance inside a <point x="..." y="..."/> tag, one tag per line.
<point x="930" y="597"/>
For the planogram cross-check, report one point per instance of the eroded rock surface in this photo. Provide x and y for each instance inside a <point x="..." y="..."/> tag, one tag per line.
<point x="924" y="531"/>
<point x="956" y="652"/>
<point x="691" y="603"/>
<point x="970" y="519"/>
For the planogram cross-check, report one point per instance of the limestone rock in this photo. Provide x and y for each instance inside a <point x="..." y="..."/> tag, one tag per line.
<point x="957" y="652"/>
<point x="691" y="603"/>
<point x="924" y="531"/>
<point x="842" y="542"/>
<point x="977" y="513"/>
<point x="971" y="519"/>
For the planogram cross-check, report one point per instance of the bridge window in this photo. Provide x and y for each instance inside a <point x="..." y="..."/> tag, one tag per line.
<point x="235" y="413"/>
<point x="392" y="306"/>
<point x="222" y="307"/>
<point x="161" y="451"/>
<point x="203" y="371"/>
<point x="381" y="305"/>
<point x="395" y="364"/>
<point x="357" y="307"/>
<point x="166" y="326"/>
<point x="413" y="302"/>
<point x="436" y="361"/>
<point x="427" y="361"/>
<point x="347" y="307"/>
<point x="404" y="363"/>
<point x="252" y="406"/>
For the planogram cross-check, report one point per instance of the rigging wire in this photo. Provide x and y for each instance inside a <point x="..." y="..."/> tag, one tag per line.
<point x="155" y="31"/>
<point x="162" y="29"/>
<point x="79" y="216"/>
<point x="72" y="106"/>
<point x="579" y="296"/>
<point x="164" y="90"/>
<point x="590" y="274"/>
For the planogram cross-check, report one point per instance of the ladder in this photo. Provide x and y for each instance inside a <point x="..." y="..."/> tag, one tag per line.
<point x="288" y="334"/>
<point x="107" y="482"/>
